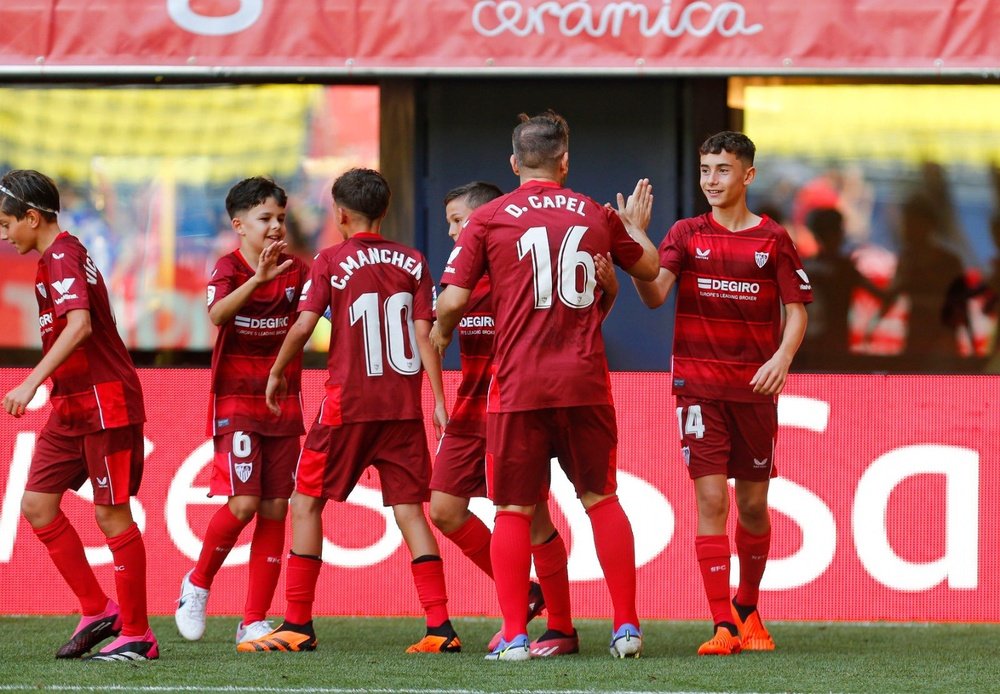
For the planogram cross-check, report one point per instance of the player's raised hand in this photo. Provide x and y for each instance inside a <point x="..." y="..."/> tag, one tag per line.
<point x="276" y="387"/>
<point x="439" y="341"/>
<point x="267" y="263"/>
<point x="638" y="208"/>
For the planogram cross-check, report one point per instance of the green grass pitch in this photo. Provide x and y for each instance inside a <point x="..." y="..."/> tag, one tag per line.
<point x="358" y="654"/>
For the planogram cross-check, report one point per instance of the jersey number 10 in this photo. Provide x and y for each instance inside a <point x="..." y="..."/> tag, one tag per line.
<point x="396" y="312"/>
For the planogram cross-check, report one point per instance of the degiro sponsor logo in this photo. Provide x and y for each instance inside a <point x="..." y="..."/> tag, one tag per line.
<point x="728" y="286"/>
<point x="262" y="323"/>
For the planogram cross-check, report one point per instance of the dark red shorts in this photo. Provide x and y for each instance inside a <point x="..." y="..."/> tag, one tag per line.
<point x="250" y="464"/>
<point x="334" y="458"/>
<point x="521" y="445"/>
<point x="111" y="458"/>
<point x="735" y="439"/>
<point x="460" y="465"/>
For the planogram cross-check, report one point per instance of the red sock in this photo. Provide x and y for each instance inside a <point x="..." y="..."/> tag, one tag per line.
<point x="510" y="552"/>
<point x="265" y="566"/>
<point x="301" y="575"/>
<point x="129" y="555"/>
<point x="473" y="538"/>
<point x="222" y="533"/>
<point x="428" y="576"/>
<point x="66" y="550"/>
<point x="713" y="558"/>
<point x="550" y="564"/>
<point x="752" y="551"/>
<point x="615" y="547"/>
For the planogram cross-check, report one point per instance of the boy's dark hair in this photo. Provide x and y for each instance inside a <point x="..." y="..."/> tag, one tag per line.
<point x="539" y="141"/>
<point x="475" y="193"/>
<point x="735" y="143"/>
<point x="24" y="189"/>
<point x="251" y="192"/>
<point x="364" y="191"/>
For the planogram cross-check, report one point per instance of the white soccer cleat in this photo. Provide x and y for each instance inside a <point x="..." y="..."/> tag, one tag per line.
<point x="253" y="631"/>
<point x="626" y="642"/>
<point x="190" y="613"/>
<point x="517" y="648"/>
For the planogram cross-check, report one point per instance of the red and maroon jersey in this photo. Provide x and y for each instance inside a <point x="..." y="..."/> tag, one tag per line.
<point x="375" y="289"/>
<point x="475" y="344"/>
<point x="538" y="245"/>
<point x="97" y="386"/>
<point x="246" y="347"/>
<point x="730" y="289"/>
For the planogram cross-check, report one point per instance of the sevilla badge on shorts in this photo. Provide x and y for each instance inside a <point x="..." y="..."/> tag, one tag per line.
<point x="243" y="471"/>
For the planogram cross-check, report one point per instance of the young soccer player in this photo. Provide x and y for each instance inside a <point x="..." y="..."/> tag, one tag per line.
<point x="253" y="297"/>
<point x="734" y="270"/>
<point x="459" y="467"/>
<point x="379" y="295"/>
<point x="95" y="430"/>
<point x="550" y="392"/>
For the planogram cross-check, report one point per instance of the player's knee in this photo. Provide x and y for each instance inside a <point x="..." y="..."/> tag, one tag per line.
<point x="753" y="513"/>
<point x="113" y="520"/>
<point x="446" y="517"/>
<point x="273" y="509"/>
<point x="38" y="510"/>
<point x="244" y="507"/>
<point x="714" y="507"/>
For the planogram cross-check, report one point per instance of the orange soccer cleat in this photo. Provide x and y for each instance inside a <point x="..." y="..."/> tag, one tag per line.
<point x="723" y="643"/>
<point x="753" y="634"/>
<point x="437" y="644"/>
<point x="285" y="638"/>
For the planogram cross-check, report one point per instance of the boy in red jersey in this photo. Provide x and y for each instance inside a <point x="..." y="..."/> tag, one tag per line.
<point x="253" y="297"/>
<point x="95" y="430"/>
<point x="459" y="466"/>
<point x="379" y="295"/>
<point x="550" y="392"/>
<point x="734" y="271"/>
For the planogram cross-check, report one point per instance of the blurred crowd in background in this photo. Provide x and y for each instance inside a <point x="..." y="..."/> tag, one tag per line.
<point x="891" y="193"/>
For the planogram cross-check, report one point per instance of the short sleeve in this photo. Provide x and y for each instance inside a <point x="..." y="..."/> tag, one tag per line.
<point x="673" y="249"/>
<point x="222" y="282"/>
<point x="467" y="262"/>
<point x="315" y="295"/>
<point x="423" y="300"/>
<point x="68" y="277"/>
<point x="793" y="282"/>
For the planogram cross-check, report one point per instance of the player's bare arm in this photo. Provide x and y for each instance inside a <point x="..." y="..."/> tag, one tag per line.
<point x="451" y="304"/>
<point x="77" y="330"/>
<point x="771" y="376"/>
<point x="295" y="340"/>
<point x="607" y="280"/>
<point x="431" y="360"/>
<point x="635" y="213"/>
<point x="654" y="293"/>
<point x="267" y="269"/>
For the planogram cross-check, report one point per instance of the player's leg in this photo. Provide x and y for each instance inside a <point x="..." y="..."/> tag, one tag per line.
<point x="587" y="450"/>
<point x="115" y="463"/>
<point x="450" y="514"/>
<point x="428" y="577"/>
<point x="57" y="465"/>
<point x="404" y="468"/>
<point x="459" y="475"/>
<point x="236" y="475"/>
<point x="753" y="466"/>
<point x="280" y="455"/>
<point x="517" y="464"/>
<point x="549" y="553"/>
<point x="100" y="615"/>
<point x="712" y="550"/>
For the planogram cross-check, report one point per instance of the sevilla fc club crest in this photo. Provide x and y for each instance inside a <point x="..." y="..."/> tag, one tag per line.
<point x="243" y="471"/>
<point x="290" y="293"/>
<point x="761" y="258"/>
